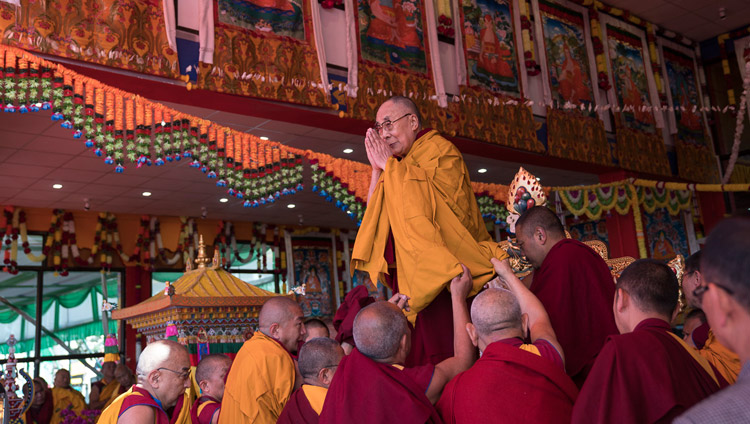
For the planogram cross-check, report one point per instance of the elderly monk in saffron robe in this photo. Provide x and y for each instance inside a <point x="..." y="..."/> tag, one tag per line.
<point x="125" y="380"/>
<point x="318" y="360"/>
<point x="512" y="382"/>
<point x="724" y="360"/>
<point x="422" y="221"/>
<point x="64" y="396"/>
<point x="646" y="374"/>
<point x="163" y="375"/>
<point x="210" y="375"/>
<point x="263" y="374"/>
<point x="573" y="283"/>
<point x="372" y="385"/>
<point x="105" y="389"/>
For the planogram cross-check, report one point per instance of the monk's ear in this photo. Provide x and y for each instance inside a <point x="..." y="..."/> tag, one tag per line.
<point x="472" y="334"/>
<point x="203" y="385"/>
<point x="325" y="376"/>
<point x="621" y="300"/>
<point x="525" y="324"/>
<point x="153" y="378"/>
<point x="273" y="329"/>
<point x="675" y="312"/>
<point x="540" y="235"/>
<point x="404" y="343"/>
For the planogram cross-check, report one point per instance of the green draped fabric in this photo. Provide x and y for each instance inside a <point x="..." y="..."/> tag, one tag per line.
<point x="78" y="332"/>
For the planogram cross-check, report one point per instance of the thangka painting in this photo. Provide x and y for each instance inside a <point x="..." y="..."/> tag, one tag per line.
<point x="665" y="235"/>
<point x="391" y="33"/>
<point x="265" y="48"/>
<point x="312" y="267"/>
<point x="567" y="58"/>
<point x="490" y="45"/>
<point x="591" y="230"/>
<point x="279" y="17"/>
<point x="120" y="34"/>
<point x="630" y="80"/>
<point x="685" y="98"/>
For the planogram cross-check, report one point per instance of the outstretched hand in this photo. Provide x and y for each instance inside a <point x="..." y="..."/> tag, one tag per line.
<point x="378" y="151"/>
<point x="400" y="300"/>
<point x="503" y="269"/>
<point x="462" y="284"/>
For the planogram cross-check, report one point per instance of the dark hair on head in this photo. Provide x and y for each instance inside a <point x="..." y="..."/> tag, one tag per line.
<point x="540" y="216"/>
<point x="652" y="284"/>
<point x="696" y="313"/>
<point x="726" y="257"/>
<point x="315" y="323"/>
<point x="693" y="263"/>
<point x="317" y="354"/>
<point x="409" y="104"/>
<point x="207" y="366"/>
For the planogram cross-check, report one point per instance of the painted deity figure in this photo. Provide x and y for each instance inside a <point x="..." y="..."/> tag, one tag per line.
<point x="632" y="96"/>
<point x="494" y="53"/>
<point x="393" y="23"/>
<point x="571" y="81"/>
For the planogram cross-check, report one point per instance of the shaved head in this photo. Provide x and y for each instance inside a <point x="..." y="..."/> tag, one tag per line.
<point x="318" y="354"/>
<point x="652" y="285"/>
<point x="278" y="310"/>
<point x="160" y="353"/>
<point x="210" y="365"/>
<point x="495" y="310"/>
<point x="540" y="216"/>
<point x="405" y="103"/>
<point x="378" y="329"/>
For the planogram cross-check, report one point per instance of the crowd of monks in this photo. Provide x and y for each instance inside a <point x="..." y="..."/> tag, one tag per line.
<point x="463" y="339"/>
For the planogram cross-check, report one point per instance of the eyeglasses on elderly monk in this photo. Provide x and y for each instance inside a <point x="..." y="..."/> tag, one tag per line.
<point x="183" y="375"/>
<point x="387" y="125"/>
<point x="700" y="290"/>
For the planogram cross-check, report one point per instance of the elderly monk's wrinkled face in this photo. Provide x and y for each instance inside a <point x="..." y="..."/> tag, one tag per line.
<point x="530" y="247"/>
<point x="215" y="383"/>
<point x="124" y="377"/>
<point x="292" y="330"/>
<point x="39" y="395"/>
<point x="690" y="282"/>
<point x="174" y="378"/>
<point x="108" y="370"/>
<point x="62" y="379"/>
<point x="399" y="127"/>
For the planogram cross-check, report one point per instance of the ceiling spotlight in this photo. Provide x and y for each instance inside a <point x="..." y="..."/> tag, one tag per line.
<point x="146" y="193"/>
<point x="538" y="178"/>
<point x="264" y="138"/>
<point x="722" y="13"/>
<point x="223" y="200"/>
<point x="482" y="170"/>
<point x="291" y="206"/>
<point x="347" y="151"/>
<point x="57" y="186"/>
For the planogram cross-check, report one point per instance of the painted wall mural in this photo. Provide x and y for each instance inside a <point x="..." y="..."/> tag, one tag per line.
<point x="591" y="230"/>
<point x="391" y="33"/>
<point x="567" y="59"/>
<point x="490" y="45"/>
<point x="684" y="91"/>
<point x="280" y="17"/>
<point x="630" y="80"/>
<point x="665" y="235"/>
<point x="312" y="266"/>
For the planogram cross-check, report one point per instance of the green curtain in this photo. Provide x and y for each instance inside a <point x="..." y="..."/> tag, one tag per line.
<point x="78" y="333"/>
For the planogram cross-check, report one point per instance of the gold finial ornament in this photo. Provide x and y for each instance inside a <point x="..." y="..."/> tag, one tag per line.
<point x="201" y="260"/>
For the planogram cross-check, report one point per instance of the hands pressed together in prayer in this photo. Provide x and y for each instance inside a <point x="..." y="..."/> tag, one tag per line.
<point x="377" y="149"/>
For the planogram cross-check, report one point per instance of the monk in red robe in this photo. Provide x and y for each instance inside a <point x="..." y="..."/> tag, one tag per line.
<point x="371" y="385"/>
<point x="40" y="411"/>
<point x="647" y="374"/>
<point x="210" y="375"/>
<point x="422" y="221"/>
<point x="318" y="360"/>
<point x="512" y="382"/>
<point x="163" y="375"/>
<point x="573" y="283"/>
<point x="723" y="359"/>
<point x="343" y="321"/>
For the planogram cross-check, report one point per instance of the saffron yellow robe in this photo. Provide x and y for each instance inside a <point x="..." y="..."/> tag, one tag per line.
<point x="426" y="200"/>
<point x="724" y="360"/>
<point x="64" y="398"/>
<point x="259" y="383"/>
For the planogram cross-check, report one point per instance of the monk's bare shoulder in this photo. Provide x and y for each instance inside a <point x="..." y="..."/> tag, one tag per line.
<point x="138" y="414"/>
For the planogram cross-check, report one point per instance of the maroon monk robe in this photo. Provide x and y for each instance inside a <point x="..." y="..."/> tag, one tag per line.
<point x="509" y="385"/>
<point x="343" y="321"/>
<point x="576" y="288"/>
<point x="700" y="335"/>
<point x="298" y="410"/>
<point x="646" y="376"/>
<point x="43" y="414"/>
<point x="204" y="415"/>
<point x="364" y="391"/>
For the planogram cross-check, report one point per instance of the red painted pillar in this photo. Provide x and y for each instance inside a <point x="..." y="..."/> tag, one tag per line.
<point x="137" y="289"/>
<point x="620" y="228"/>
<point x="713" y="209"/>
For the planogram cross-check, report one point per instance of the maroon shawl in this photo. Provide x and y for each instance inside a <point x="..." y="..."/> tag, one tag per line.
<point x="298" y="410"/>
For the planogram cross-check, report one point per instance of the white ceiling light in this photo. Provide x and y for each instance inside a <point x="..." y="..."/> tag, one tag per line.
<point x="539" y="178"/>
<point x="264" y="138"/>
<point x="57" y="186"/>
<point x="291" y="206"/>
<point x="347" y="151"/>
<point x="146" y="193"/>
<point x="482" y="170"/>
<point x="223" y="200"/>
